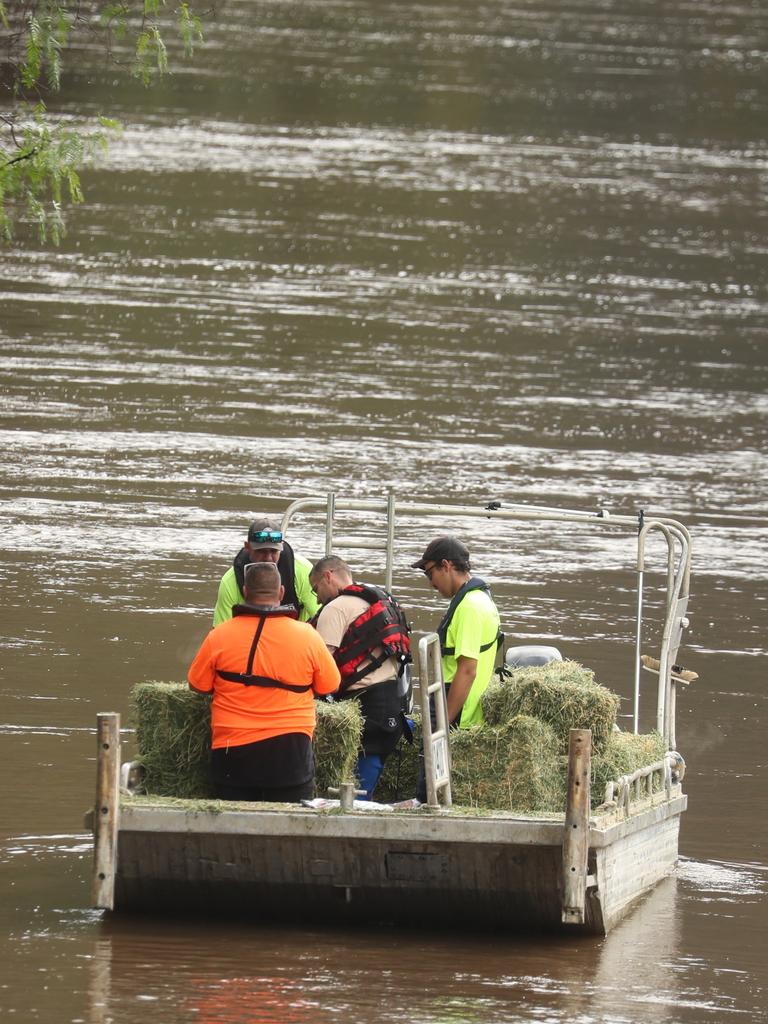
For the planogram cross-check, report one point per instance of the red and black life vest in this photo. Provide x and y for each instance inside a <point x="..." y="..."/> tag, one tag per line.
<point x="382" y="624"/>
<point x="248" y="678"/>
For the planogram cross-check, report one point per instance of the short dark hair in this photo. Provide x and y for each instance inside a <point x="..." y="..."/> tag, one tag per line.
<point x="262" y="579"/>
<point x="332" y="562"/>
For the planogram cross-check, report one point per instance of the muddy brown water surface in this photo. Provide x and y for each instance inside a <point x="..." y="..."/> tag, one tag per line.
<point x="468" y="252"/>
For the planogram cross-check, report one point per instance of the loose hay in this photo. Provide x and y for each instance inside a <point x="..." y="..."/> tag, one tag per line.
<point x="514" y="762"/>
<point x="623" y="754"/>
<point x="511" y="767"/>
<point x="561" y="693"/>
<point x="337" y="742"/>
<point x="173" y="738"/>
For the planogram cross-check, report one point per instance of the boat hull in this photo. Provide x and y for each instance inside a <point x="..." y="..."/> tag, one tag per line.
<point x="428" y="869"/>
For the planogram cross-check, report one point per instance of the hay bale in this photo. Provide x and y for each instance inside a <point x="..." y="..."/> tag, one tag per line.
<point x="510" y="767"/>
<point x="336" y="743"/>
<point x="562" y="693"/>
<point x="624" y="753"/>
<point x="173" y="739"/>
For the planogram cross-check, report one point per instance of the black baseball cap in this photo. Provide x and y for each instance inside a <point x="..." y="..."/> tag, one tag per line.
<point x="450" y="548"/>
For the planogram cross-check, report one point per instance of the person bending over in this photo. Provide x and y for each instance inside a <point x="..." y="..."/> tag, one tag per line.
<point x="366" y="632"/>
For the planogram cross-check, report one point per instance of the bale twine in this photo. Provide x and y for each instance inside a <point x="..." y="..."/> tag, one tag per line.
<point x="173" y="739"/>
<point x="562" y="693"/>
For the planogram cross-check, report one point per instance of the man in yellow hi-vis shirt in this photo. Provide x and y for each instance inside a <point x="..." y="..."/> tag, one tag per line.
<point x="469" y="631"/>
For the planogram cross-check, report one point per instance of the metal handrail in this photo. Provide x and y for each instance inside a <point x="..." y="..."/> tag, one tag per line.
<point x="436" y="745"/>
<point x="678" y="582"/>
<point x="678" y="565"/>
<point x="622" y="791"/>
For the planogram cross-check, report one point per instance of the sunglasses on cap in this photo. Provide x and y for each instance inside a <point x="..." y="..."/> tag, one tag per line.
<point x="265" y="536"/>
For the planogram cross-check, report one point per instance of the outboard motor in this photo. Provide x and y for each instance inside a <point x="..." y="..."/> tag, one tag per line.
<point x="530" y="654"/>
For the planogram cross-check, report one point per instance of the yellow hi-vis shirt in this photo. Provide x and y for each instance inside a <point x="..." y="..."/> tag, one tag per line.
<point x="475" y="623"/>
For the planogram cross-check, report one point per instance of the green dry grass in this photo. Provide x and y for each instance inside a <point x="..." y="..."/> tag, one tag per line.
<point x="337" y="741"/>
<point x="173" y="736"/>
<point x="623" y="754"/>
<point x="511" y="767"/>
<point x="514" y="762"/>
<point x="562" y="693"/>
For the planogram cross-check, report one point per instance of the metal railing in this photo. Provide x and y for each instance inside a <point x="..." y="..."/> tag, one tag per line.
<point x="640" y="784"/>
<point x="436" y="744"/>
<point x="678" y="565"/>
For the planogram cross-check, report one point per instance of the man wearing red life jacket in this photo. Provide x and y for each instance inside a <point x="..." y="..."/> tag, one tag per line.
<point x="264" y="669"/>
<point x="366" y="632"/>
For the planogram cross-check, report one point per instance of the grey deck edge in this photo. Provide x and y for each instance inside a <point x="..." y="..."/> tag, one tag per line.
<point x="362" y="825"/>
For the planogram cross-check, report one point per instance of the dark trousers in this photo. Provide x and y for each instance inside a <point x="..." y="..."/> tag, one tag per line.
<point x="279" y="769"/>
<point x="266" y="794"/>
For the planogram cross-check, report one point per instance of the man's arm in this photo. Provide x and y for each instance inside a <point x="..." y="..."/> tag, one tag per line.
<point x="201" y="673"/>
<point x="461" y="684"/>
<point x="301" y="571"/>
<point x="326" y="675"/>
<point x="227" y="599"/>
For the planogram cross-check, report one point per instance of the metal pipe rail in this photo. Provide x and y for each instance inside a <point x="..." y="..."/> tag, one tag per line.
<point x="638" y="784"/>
<point x="678" y="585"/>
<point x="436" y="744"/>
<point x="678" y="565"/>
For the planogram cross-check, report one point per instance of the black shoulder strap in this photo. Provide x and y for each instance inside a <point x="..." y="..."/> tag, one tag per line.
<point x="286" y="566"/>
<point x="473" y="583"/>
<point x="247" y="678"/>
<point x="239" y="563"/>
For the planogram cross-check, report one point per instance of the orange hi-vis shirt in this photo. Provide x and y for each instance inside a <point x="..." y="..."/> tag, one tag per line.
<point x="289" y="651"/>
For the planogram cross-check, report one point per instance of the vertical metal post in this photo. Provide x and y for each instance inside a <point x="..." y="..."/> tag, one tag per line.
<point x="437" y="754"/>
<point x="107" y="810"/>
<point x="390" y="539"/>
<point x="330" y="512"/>
<point x="576" y="829"/>
<point x="638" y="640"/>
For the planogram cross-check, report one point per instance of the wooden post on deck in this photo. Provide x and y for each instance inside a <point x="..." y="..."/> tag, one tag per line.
<point x="576" y="831"/>
<point x="106" y="811"/>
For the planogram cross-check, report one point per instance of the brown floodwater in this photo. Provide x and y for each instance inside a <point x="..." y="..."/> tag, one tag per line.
<point x="467" y="252"/>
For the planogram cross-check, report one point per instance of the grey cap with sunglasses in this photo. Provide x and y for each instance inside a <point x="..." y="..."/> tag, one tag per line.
<point x="263" y="533"/>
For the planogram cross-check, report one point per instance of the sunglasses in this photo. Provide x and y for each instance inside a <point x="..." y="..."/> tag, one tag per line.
<point x="266" y="535"/>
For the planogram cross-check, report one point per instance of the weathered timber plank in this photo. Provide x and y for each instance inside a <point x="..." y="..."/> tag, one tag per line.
<point x="106" y="811"/>
<point x="366" y="879"/>
<point x="576" y="833"/>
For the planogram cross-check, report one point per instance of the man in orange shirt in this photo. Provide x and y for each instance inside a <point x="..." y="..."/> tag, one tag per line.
<point x="264" y="669"/>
